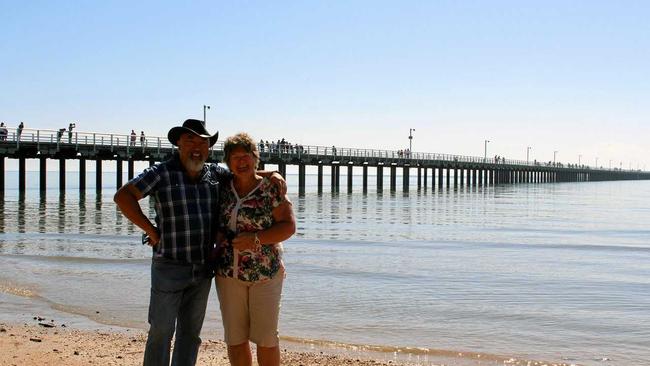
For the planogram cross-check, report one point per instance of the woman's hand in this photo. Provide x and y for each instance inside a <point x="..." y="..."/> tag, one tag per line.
<point x="245" y="241"/>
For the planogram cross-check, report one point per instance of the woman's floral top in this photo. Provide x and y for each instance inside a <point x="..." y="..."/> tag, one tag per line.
<point x="254" y="212"/>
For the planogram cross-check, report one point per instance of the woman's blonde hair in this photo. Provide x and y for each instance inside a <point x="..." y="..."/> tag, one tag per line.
<point x="244" y="141"/>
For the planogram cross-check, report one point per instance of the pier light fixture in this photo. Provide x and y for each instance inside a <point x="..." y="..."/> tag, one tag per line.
<point x="485" y="151"/>
<point x="528" y="154"/>
<point x="411" y="139"/>
<point x="554" y="156"/>
<point x="579" y="157"/>
<point x="596" y="163"/>
<point x="204" y="114"/>
<point x="610" y="164"/>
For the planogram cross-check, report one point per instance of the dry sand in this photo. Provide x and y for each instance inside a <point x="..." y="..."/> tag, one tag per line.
<point x="36" y="344"/>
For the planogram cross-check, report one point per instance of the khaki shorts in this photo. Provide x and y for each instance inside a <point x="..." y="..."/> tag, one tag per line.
<point x="250" y="310"/>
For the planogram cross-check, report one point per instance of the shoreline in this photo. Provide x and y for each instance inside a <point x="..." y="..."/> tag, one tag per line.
<point x="34" y="333"/>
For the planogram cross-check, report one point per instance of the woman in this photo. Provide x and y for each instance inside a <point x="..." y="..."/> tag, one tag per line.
<point x="250" y="271"/>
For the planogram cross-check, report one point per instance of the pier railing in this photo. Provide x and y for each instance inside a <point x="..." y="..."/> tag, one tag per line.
<point x="137" y="142"/>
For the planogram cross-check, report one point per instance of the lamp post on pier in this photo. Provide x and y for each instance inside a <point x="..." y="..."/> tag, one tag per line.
<point x="596" y="163"/>
<point x="204" y="114"/>
<point x="527" y="154"/>
<point x="485" y="151"/>
<point x="411" y="139"/>
<point x="554" y="156"/>
<point x="579" y="157"/>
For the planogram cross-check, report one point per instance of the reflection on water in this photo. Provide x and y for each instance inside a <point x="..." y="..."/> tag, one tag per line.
<point x="504" y="214"/>
<point x="66" y="213"/>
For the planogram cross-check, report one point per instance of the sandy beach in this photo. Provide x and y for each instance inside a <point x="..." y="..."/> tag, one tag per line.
<point x="46" y="343"/>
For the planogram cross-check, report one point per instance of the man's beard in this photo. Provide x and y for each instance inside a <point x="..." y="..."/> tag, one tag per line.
<point x="193" y="165"/>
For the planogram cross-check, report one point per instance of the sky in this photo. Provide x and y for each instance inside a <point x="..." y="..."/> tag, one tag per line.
<point x="565" y="76"/>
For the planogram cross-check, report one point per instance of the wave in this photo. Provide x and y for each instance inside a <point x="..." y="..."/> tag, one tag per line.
<point x="417" y="355"/>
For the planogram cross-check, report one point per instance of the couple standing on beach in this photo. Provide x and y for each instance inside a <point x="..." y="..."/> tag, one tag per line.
<point x="212" y="221"/>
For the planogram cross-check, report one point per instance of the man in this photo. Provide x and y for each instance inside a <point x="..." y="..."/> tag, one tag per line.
<point x="186" y="191"/>
<point x="133" y="138"/>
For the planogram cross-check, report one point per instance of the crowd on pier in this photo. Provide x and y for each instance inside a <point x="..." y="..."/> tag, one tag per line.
<point x="281" y="146"/>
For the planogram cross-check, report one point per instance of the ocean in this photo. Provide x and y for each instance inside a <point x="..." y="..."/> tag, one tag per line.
<point x="508" y="274"/>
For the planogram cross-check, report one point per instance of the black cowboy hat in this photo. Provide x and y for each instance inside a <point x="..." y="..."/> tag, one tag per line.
<point x="194" y="126"/>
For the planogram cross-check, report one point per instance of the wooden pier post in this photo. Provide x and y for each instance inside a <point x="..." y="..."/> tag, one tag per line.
<point x="393" y="178"/>
<point x="42" y="172"/>
<point x="462" y="176"/>
<point x="440" y="177"/>
<point x="349" y="178"/>
<point x="301" y="179"/>
<point x="119" y="173"/>
<point x="98" y="174"/>
<point x="365" y="178"/>
<point x="62" y="174"/>
<point x="320" y="178"/>
<point x="2" y="175"/>
<point x="455" y="177"/>
<point x="333" y="177"/>
<point x="82" y="174"/>
<point x="419" y="177"/>
<point x="130" y="167"/>
<point x="406" y="178"/>
<point x="21" y="174"/>
<point x="282" y="167"/>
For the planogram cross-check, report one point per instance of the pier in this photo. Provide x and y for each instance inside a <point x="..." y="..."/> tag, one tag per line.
<point x="429" y="169"/>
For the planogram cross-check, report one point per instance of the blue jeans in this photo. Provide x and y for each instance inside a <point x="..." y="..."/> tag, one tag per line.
<point x="179" y="297"/>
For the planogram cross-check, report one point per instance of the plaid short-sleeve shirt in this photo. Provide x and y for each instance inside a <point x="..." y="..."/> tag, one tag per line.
<point x="187" y="212"/>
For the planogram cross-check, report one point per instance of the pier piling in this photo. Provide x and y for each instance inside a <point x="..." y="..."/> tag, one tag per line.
<point x="21" y="174"/>
<point x="118" y="173"/>
<point x="82" y="174"/>
<point x="98" y="174"/>
<point x="42" y="172"/>
<point x="62" y="174"/>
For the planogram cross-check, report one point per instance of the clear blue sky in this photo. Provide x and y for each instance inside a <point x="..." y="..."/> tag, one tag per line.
<point x="571" y="76"/>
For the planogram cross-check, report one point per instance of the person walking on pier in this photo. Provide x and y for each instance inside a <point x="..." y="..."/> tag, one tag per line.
<point x="186" y="191"/>
<point x="70" y="127"/>
<point x="143" y="139"/>
<point x="132" y="138"/>
<point x="20" y="129"/>
<point x="3" y="132"/>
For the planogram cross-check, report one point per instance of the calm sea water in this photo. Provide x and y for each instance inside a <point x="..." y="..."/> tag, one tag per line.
<point x="553" y="272"/>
